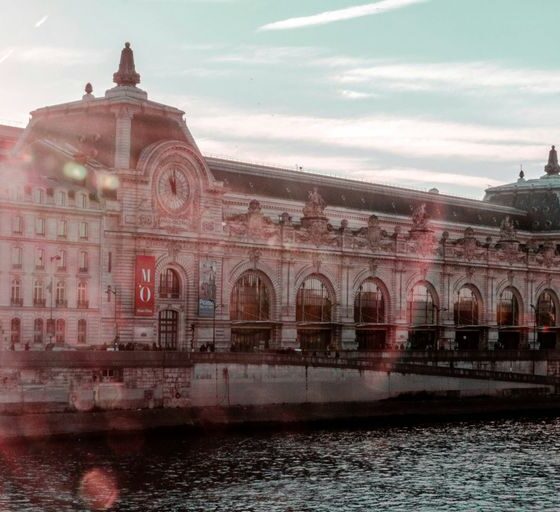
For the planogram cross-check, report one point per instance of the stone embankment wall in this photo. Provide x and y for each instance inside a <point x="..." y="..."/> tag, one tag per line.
<point x="95" y="381"/>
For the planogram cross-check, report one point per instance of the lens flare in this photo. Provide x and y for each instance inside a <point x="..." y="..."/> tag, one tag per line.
<point x="109" y="182"/>
<point x="98" y="489"/>
<point x="75" y="171"/>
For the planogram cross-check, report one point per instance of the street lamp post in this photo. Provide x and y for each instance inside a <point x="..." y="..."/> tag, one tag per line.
<point x="535" y="331"/>
<point x="439" y="311"/>
<point x="213" y="349"/>
<point x="51" y="324"/>
<point x="110" y="290"/>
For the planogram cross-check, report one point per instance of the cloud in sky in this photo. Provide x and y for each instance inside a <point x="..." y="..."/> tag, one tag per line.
<point x="270" y="55"/>
<point x="52" y="55"/>
<point x="6" y="55"/>
<point x="350" y="94"/>
<point x="340" y="14"/>
<point x="41" y="21"/>
<point x="471" y="76"/>
<point x="382" y="134"/>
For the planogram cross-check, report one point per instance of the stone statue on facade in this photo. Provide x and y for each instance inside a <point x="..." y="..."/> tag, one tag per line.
<point x="552" y="167"/>
<point x="126" y="75"/>
<point x="373" y="236"/>
<point x="316" y="227"/>
<point x="315" y="205"/>
<point x="420" y="218"/>
<point x="253" y="224"/>
<point x="507" y="229"/>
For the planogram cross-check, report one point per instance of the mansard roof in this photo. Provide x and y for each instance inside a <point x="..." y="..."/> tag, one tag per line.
<point x="540" y="198"/>
<point x="8" y="138"/>
<point x="284" y="184"/>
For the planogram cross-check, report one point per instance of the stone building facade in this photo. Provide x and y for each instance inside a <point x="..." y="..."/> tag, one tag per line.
<point x="116" y="229"/>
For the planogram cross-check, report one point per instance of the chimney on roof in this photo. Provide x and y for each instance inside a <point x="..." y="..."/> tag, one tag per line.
<point x="126" y="75"/>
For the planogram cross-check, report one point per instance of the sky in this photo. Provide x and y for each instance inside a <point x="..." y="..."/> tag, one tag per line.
<point x="452" y="94"/>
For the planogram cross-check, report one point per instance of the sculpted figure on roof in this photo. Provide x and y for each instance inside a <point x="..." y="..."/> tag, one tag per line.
<point x="373" y="236"/>
<point x="253" y="224"/>
<point x="420" y="218"/>
<point x="315" y="206"/>
<point x="507" y="229"/>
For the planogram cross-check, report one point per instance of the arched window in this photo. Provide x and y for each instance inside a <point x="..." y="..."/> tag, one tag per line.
<point x="466" y="309"/>
<point x="369" y="304"/>
<point x="60" y="294"/>
<point x="15" y="330"/>
<point x="38" y="330"/>
<point x="39" y="195"/>
<point x="421" y="306"/>
<point x="249" y="298"/>
<point x="15" y="293"/>
<point x="169" y="284"/>
<point x="38" y="293"/>
<point x="508" y="308"/>
<point x="82" y="295"/>
<point x="82" y="331"/>
<point x="61" y="198"/>
<point x="546" y="310"/>
<point x="60" y="330"/>
<point x="83" y="263"/>
<point x="17" y="257"/>
<point x="313" y="303"/>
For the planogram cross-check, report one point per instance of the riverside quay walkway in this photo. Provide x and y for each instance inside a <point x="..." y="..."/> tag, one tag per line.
<point x="529" y="366"/>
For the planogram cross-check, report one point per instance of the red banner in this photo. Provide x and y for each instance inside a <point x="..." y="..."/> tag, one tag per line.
<point x="145" y="286"/>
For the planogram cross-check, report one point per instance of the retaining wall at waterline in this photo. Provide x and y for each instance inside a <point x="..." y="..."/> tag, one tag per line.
<point x="77" y="392"/>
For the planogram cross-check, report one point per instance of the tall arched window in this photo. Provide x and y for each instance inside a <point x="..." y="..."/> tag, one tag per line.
<point x="466" y="309"/>
<point x="421" y="306"/>
<point x="60" y="294"/>
<point x="169" y="284"/>
<point x="508" y="308"/>
<point x="38" y="293"/>
<point x="250" y="298"/>
<point x="60" y="330"/>
<point x="15" y="330"/>
<point x="369" y="304"/>
<point x="546" y="310"/>
<point x="82" y="295"/>
<point x="38" y="330"/>
<point x="82" y="331"/>
<point x="15" y="292"/>
<point x="545" y="320"/>
<point x="313" y="303"/>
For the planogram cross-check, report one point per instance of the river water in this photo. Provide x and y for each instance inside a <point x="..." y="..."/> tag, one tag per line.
<point x="491" y="465"/>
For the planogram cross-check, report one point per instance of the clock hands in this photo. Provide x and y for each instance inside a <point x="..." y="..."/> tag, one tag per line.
<point x="173" y="183"/>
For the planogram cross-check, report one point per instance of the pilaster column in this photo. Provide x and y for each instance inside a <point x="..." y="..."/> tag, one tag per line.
<point x="122" y="138"/>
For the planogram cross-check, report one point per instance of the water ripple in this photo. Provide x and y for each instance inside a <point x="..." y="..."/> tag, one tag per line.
<point x="470" y="466"/>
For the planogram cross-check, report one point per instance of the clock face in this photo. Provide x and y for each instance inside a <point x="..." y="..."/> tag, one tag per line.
<point x="173" y="189"/>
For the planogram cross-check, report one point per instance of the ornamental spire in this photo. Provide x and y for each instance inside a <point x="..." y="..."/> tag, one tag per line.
<point x="552" y="167"/>
<point x="126" y="75"/>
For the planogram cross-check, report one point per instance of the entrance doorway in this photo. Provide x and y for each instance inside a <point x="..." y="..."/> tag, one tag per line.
<point x="422" y="339"/>
<point x="168" y="329"/>
<point x="314" y="339"/>
<point x="250" y="340"/>
<point x="509" y="340"/>
<point x="467" y="339"/>
<point x="546" y="340"/>
<point x="371" y="339"/>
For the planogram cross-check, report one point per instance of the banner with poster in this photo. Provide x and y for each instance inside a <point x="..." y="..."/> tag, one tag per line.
<point x="145" y="286"/>
<point x="207" y="290"/>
